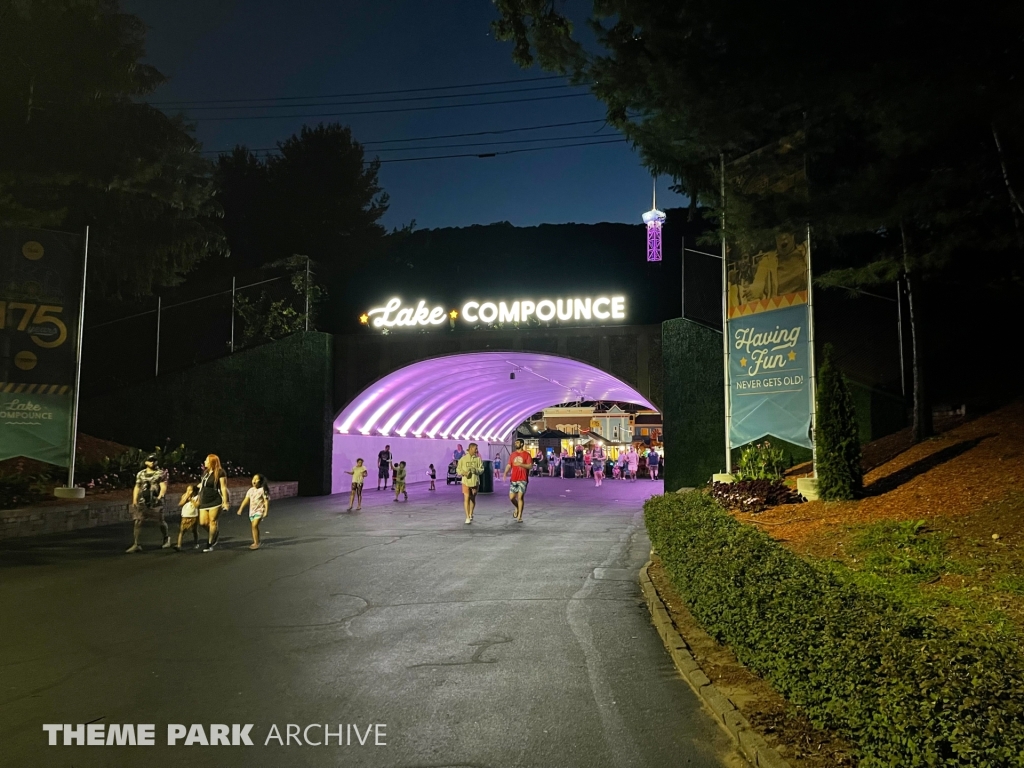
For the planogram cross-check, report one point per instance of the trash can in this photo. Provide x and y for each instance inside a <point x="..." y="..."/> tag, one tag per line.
<point x="487" y="479"/>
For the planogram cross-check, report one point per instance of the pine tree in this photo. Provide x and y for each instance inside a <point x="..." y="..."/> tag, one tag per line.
<point x="840" y="476"/>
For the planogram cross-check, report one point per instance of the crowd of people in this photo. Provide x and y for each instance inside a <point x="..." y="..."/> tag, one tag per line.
<point x="201" y="505"/>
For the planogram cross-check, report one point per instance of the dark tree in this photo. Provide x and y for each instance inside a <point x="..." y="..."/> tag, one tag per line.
<point x="79" y="148"/>
<point x="836" y="441"/>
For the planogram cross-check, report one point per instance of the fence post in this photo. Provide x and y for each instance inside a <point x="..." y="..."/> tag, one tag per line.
<point x="156" y="368"/>
<point x="232" y="314"/>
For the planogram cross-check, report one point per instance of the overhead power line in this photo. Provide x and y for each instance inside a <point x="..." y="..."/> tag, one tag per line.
<point x="504" y="152"/>
<point x="361" y="93"/>
<point x="495" y="132"/>
<point x="386" y="101"/>
<point x="399" y="109"/>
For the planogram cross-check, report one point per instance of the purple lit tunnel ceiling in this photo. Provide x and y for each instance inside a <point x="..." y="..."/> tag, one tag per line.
<point x="471" y="395"/>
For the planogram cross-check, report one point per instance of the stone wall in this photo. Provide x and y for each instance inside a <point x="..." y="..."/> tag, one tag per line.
<point x="90" y="513"/>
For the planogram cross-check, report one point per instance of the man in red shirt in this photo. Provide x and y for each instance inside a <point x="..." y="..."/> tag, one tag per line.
<point x="519" y="463"/>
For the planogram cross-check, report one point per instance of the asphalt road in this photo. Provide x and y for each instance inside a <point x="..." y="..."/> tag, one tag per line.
<point x="485" y="646"/>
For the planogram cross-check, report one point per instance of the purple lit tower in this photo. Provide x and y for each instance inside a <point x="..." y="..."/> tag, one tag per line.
<point x="654" y="219"/>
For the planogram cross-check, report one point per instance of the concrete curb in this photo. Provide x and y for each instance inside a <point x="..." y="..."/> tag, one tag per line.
<point x="754" y="747"/>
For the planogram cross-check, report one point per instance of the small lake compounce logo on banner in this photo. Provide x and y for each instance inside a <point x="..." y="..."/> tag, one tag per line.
<point x="476" y="313"/>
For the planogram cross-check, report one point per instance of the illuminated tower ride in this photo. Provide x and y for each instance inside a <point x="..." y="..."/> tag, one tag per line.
<point x="654" y="219"/>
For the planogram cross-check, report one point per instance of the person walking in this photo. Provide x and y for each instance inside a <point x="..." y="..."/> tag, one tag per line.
<point x="257" y="499"/>
<point x="213" y="498"/>
<point x="399" y="483"/>
<point x="633" y="462"/>
<point x="148" y="502"/>
<point x="653" y="462"/>
<point x="189" y="517"/>
<point x="383" y="466"/>
<point x="470" y="468"/>
<point x="359" y="473"/>
<point x="597" y="464"/>
<point x="519" y="463"/>
<point x="497" y="468"/>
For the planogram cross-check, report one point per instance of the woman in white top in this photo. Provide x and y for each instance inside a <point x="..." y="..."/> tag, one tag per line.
<point x="470" y="469"/>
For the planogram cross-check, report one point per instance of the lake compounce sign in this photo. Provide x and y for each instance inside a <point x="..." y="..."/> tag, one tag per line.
<point x="593" y="309"/>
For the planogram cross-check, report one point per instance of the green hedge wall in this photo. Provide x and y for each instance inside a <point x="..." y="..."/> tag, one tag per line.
<point x="694" y="403"/>
<point x="267" y="408"/>
<point x="906" y="691"/>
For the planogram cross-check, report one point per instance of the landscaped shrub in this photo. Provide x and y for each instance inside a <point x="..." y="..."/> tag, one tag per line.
<point x="754" y="495"/>
<point x="18" y="489"/>
<point x="906" y="691"/>
<point x="837" y="440"/>
<point x="760" y="461"/>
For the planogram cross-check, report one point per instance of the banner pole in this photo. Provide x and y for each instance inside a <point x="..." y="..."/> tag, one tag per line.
<point x="725" y="324"/>
<point x="899" y="334"/>
<point x="78" y="362"/>
<point x="812" y="373"/>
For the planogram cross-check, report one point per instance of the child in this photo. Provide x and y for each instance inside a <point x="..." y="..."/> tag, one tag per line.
<point x="358" y="473"/>
<point x="399" y="482"/>
<point x="432" y="474"/>
<point x="497" y="468"/>
<point x="258" y="499"/>
<point x="189" y="516"/>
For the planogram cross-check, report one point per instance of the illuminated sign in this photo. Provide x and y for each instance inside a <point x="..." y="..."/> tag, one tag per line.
<point x="591" y="308"/>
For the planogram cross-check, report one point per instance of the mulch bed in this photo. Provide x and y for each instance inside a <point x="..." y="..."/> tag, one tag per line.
<point x="958" y="473"/>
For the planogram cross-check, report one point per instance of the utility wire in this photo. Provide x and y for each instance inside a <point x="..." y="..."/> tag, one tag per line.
<point x="399" y="109"/>
<point x="360" y="93"/>
<point x="431" y="138"/>
<point x="505" y="152"/>
<point x="387" y="101"/>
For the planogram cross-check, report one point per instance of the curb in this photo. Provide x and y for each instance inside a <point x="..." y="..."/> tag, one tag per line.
<point x="728" y="717"/>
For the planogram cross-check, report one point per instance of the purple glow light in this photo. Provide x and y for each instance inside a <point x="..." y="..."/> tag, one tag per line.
<point x="471" y="396"/>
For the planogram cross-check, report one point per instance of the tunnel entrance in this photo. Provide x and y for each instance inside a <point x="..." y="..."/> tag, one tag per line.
<point x="426" y="409"/>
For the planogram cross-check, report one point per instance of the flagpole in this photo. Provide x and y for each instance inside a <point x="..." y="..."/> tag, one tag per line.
<point x="812" y="375"/>
<point x="725" y="325"/>
<point x="70" y="491"/>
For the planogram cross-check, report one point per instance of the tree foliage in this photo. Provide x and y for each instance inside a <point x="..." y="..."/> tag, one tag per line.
<point x="836" y="440"/>
<point x="80" y="149"/>
<point x="316" y="195"/>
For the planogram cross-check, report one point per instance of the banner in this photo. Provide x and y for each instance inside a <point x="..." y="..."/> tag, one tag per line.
<point x="769" y="356"/>
<point x="768" y="322"/>
<point x="40" y="290"/>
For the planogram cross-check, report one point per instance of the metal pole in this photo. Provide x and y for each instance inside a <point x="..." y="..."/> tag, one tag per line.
<point x="232" y="314"/>
<point x="899" y="333"/>
<point x="307" y="293"/>
<point x="156" y="368"/>
<point x="812" y="376"/>
<point x="682" y="279"/>
<point x="78" y="363"/>
<point x="725" y="325"/>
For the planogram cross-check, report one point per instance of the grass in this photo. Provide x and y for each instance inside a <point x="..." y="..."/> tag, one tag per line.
<point x="934" y="571"/>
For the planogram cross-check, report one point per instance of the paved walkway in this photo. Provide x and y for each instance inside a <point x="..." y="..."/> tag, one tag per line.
<point x="491" y="645"/>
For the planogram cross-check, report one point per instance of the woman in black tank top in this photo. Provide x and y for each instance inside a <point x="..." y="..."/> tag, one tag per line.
<point x="213" y="498"/>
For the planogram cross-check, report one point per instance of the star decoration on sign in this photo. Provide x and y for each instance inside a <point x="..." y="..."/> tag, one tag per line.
<point x="743" y="362"/>
<point x="792" y="355"/>
<point x="364" y="318"/>
<point x="453" y="314"/>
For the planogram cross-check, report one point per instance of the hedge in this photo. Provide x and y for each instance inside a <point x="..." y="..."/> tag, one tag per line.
<point x="905" y="690"/>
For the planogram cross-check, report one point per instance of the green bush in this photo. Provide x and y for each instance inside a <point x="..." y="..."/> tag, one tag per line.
<point x="905" y="690"/>
<point x="760" y="461"/>
<point x="836" y="436"/>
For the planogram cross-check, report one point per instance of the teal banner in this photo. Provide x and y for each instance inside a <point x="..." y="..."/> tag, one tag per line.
<point x="40" y="290"/>
<point x="769" y="372"/>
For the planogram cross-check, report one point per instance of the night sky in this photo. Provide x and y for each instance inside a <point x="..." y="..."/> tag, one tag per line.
<point x="232" y="49"/>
